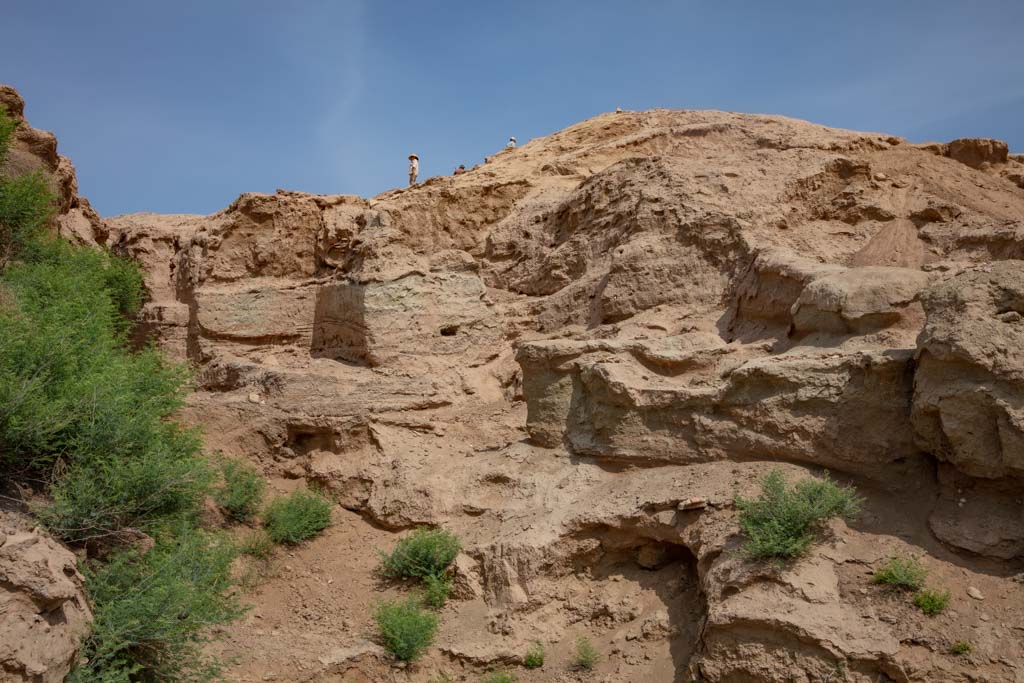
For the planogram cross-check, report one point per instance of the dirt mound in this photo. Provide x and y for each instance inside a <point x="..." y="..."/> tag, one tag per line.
<point x="577" y="353"/>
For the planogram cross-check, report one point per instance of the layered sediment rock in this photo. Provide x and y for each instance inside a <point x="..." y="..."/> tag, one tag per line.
<point x="575" y="354"/>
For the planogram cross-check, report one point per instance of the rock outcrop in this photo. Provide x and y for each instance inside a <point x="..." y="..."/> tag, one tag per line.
<point x="577" y="353"/>
<point x="43" y="611"/>
<point x="35" y="151"/>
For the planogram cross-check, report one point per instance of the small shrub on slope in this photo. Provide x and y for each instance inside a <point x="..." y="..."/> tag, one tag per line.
<point x="436" y="590"/>
<point x="242" y="491"/>
<point x="783" y="521"/>
<point x="534" y="657"/>
<point x="297" y="517"/>
<point x="259" y="545"/>
<point x="586" y="655"/>
<point x="902" y="573"/>
<point x="426" y="552"/>
<point x="931" y="602"/>
<point x="153" y="611"/>
<point x="406" y="628"/>
<point x="961" y="647"/>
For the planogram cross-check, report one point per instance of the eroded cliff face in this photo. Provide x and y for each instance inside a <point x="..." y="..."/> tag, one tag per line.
<point x="576" y="354"/>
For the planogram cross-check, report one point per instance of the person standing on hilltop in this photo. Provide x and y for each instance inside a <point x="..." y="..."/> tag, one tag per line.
<point x="414" y="168"/>
<point x="511" y="143"/>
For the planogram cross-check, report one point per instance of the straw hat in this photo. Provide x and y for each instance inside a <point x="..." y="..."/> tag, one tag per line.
<point x="413" y="156"/>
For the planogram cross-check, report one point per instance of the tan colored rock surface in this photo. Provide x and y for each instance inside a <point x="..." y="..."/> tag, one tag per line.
<point x="860" y="301"/>
<point x="43" y="611"/>
<point x="560" y="352"/>
<point x="968" y="403"/>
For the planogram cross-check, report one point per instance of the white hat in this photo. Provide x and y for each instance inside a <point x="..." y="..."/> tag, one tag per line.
<point x="512" y="137"/>
<point x="413" y="156"/>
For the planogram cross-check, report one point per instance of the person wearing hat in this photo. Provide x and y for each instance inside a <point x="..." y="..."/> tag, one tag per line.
<point x="511" y="143"/>
<point x="414" y="168"/>
<point x="461" y="169"/>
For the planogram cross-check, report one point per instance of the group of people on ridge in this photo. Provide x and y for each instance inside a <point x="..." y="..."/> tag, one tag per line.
<point x="414" y="163"/>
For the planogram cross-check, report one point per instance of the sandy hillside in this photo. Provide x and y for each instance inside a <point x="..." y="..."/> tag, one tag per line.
<point x="575" y="356"/>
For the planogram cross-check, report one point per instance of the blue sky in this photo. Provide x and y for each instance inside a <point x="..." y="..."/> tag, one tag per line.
<point x="180" y="106"/>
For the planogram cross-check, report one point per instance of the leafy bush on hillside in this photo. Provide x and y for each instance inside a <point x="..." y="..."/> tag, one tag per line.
<point x="258" y="544"/>
<point x="81" y="412"/>
<point x="931" y="601"/>
<point x="534" y="656"/>
<point x="297" y="517"/>
<point x="426" y="552"/>
<point x="26" y="202"/>
<point x="152" y="611"/>
<point x="436" y="590"/>
<point x="406" y="628"/>
<point x="586" y="655"/>
<point x="783" y="521"/>
<point x="902" y="573"/>
<point x="242" y="491"/>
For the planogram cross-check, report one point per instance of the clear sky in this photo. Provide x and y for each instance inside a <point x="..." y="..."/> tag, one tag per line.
<point x="179" y="106"/>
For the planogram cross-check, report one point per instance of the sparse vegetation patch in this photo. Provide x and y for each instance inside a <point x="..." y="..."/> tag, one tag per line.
<point x="406" y="629"/>
<point x="426" y="552"/>
<point x="586" y="655"/>
<point x="534" y="656"/>
<point x="297" y="517"/>
<point x="436" y="590"/>
<point x="931" y="601"/>
<point x="499" y="677"/>
<point x="783" y="521"/>
<point x="153" y="611"/>
<point x="241" y="492"/>
<point x="907" y="573"/>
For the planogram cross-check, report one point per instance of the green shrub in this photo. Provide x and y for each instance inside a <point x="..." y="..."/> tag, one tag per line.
<point x="69" y="388"/>
<point x="7" y="127"/>
<point x="258" y="544"/>
<point x="153" y="611"/>
<point x="26" y="202"/>
<point x="931" y="601"/>
<point x="98" y="497"/>
<point x="83" y="413"/>
<point x="902" y="573"/>
<point x="586" y="655"/>
<point x="534" y="656"/>
<point x="499" y="677"/>
<point x="406" y="628"/>
<point x="436" y="590"/>
<point x="242" y="490"/>
<point x="297" y="517"/>
<point x="26" y="205"/>
<point x="783" y="521"/>
<point x="961" y="647"/>
<point x="426" y="552"/>
<point x="71" y="393"/>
